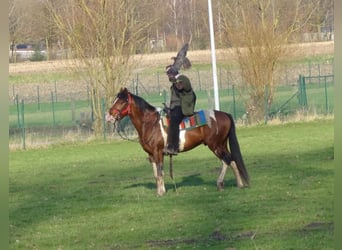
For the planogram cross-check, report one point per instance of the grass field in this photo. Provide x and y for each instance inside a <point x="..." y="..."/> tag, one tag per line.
<point x="101" y="195"/>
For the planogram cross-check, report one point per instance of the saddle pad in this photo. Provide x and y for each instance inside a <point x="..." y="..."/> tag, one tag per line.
<point x="190" y="122"/>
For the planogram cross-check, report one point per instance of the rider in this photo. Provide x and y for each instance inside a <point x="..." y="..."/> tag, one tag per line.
<point x="182" y="104"/>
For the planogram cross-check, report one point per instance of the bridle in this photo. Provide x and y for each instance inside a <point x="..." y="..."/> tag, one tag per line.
<point x="126" y="110"/>
<point x="120" y="113"/>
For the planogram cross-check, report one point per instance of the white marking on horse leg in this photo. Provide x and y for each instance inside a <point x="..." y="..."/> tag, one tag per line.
<point x="154" y="166"/>
<point x="220" y="179"/>
<point x="159" y="179"/>
<point x="159" y="173"/>
<point x="160" y="185"/>
<point x="237" y="174"/>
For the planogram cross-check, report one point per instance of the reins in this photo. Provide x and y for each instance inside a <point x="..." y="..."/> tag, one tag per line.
<point x="124" y="135"/>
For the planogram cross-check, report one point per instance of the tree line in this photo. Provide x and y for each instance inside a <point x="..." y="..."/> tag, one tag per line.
<point x="172" y="22"/>
<point x="104" y="34"/>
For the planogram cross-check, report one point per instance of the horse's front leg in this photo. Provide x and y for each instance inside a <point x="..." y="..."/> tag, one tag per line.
<point x="159" y="176"/>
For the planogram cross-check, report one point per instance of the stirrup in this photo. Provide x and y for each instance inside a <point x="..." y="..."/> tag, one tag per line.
<point x="169" y="151"/>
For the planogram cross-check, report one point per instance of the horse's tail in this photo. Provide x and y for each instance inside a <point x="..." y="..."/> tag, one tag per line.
<point x="235" y="151"/>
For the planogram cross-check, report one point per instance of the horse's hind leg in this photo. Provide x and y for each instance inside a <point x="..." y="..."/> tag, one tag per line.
<point x="227" y="161"/>
<point x="220" y="179"/>
<point x="239" y="181"/>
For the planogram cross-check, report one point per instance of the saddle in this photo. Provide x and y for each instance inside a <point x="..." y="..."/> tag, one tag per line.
<point x="199" y="118"/>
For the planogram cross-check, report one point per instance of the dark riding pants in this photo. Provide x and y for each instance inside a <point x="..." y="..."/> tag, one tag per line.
<point x="176" y="116"/>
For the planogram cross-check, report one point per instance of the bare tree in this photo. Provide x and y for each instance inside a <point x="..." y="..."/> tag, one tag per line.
<point x="323" y="17"/>
<point x="103" y="35"/>
<point x="182" y="20"/>
<point x="259" y="30"/>
<point x="29" y="22"/>
<point x="13" y="23"/>
<point x="17" y="24"/>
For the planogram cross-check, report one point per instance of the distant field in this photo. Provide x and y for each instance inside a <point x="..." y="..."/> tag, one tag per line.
<point x="101" y="195"/>
<point x="162" y="59"/>
<point x="24" y="78"/>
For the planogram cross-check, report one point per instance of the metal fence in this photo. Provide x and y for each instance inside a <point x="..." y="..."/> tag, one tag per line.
<point x="53" y="112"/>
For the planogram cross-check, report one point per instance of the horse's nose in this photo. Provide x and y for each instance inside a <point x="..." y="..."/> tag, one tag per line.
<point x="113" y="112"/>
<point x="109" y="118"/>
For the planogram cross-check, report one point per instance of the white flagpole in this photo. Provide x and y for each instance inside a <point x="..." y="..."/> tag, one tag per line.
<point x="213" y="56"/>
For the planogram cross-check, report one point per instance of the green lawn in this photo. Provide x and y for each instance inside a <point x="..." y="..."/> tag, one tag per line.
<point x="101" y="195"/>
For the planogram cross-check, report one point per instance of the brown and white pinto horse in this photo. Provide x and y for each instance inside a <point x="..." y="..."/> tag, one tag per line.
<point x="152" y="136"/>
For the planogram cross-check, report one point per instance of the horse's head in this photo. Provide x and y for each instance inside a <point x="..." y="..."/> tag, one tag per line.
<point x="121" y="106"/>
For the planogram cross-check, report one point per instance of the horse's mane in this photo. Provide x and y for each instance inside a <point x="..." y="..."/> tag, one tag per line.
<point x="141" y="103"/>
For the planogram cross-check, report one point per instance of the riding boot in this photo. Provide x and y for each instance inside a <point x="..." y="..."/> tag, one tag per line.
<point x="176" y="117"/>
<point x="172" y="142"/>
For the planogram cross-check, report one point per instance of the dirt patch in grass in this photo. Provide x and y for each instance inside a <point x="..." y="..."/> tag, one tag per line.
<point x="317" y="225"/>
<point x="215" y="236"/>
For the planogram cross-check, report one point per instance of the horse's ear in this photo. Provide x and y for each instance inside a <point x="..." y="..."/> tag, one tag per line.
<point x="123" y="90"/>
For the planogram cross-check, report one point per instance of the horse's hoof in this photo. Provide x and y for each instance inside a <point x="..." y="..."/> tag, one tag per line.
<point x="244" y="186"/>
<point x="220" y="186"/>
<point x="161" y="192"/>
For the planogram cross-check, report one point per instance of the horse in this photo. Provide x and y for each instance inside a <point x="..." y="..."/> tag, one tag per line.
<point x="152" y="137"/>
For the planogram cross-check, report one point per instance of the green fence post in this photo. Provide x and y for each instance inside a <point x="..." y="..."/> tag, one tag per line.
<point x="220" y="77"/>
<point x="228" y="81"/>
<point x="88" y="95"/>
<point x="56" y="90"/>
<point x="104" y="118"/>
<point x="164" y="95"/>
<point x="73" y="110"/>
<point x="199" y="80"/>
<point x="319" y="75"/>
<point x="310" y="70"/>
<point x="18" y="110"/>
<point x="302" y="91"/>
<point x="137" y="85"/>
<point x="13" y="92"/>
<point x="23" y="134"/>
<point x="53" y="109"/>
<point x="326" y="95"/>
<point x="158" y="82"/>
<point x="305" y="100"/>
<point x="92" y="106"/>
<point x="234" y="104"/>
<point x="38" y="98"/>
<point x="266" y="105"/>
